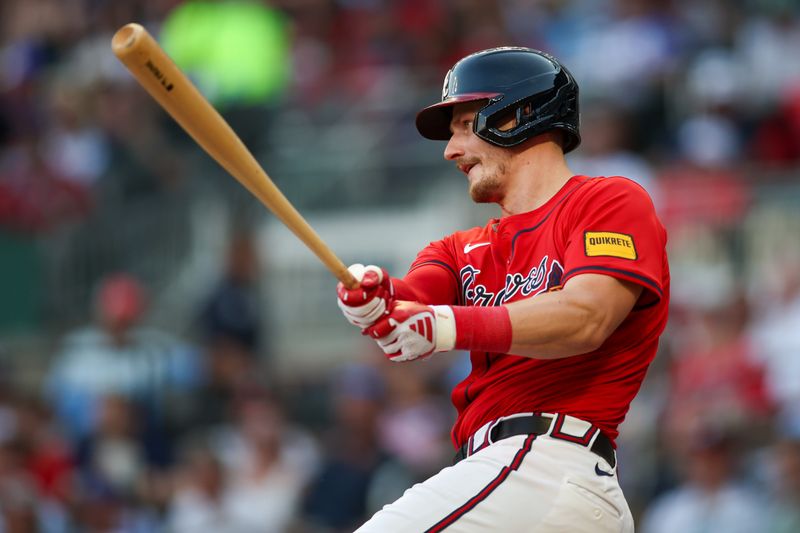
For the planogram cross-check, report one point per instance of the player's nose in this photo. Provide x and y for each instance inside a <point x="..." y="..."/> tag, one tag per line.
<point x="453" y="150"/>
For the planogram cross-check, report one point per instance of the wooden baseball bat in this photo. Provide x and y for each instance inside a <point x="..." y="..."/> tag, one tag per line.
<point x="170" y="87"/>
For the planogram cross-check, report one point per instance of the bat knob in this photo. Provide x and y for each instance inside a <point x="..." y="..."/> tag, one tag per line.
<point x="126" y="37"/>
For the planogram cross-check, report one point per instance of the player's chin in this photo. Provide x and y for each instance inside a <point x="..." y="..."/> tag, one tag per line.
<point x="484" y="191"/>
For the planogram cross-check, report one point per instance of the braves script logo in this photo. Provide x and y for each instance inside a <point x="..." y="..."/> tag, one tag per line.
<point x="539" y="279"/>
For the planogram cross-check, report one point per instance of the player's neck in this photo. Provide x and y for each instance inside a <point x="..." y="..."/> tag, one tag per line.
<point x="534" y="177"/>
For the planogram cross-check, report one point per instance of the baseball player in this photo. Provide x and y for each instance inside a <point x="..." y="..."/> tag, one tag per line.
<point x="560" y="300"/>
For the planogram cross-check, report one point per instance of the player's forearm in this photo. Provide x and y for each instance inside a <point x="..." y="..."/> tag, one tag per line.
<point x="406" y="291"/>
<point x="430" y="284"/>
<point x="553" y="326"/>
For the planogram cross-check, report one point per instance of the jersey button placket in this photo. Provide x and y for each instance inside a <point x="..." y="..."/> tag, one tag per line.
<point x="504" y="241"/>
<point x="500" y="249"/>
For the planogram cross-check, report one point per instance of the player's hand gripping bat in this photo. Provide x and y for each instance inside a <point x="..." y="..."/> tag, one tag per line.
<point x="165" y="82"/>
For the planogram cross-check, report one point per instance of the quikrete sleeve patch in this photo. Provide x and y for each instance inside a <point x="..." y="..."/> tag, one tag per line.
<point x="609" y="244"/>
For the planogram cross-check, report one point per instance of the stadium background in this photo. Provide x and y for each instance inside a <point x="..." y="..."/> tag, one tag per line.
<point x="240" y="400"/>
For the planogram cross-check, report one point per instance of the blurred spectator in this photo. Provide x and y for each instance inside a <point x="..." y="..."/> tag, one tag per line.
<point x="35" y="197"/>
<point x="413" y="422"/>
<point x="49" y="459"/>
<point x="642" y="38"/>
<point x="703" y="187"/>
<point x="337" y="498"/>
<point x="265" y="487"/>
<point x="784" y="512"/>
<point x="266" y="464"/>
<point x="119" y="356"/>
<point x="231" y="324"/>
<point x="35" y="472"/>
<point x="606" y="147"/>
<point x="231" y="321"/>
<point x="709" y="140"/>
<point x="311" y="56"/>
<point x="712" y="496"/>
<point x="777" y="138"/>
<point x="73" y="144"/>
<point x="413" y="431"/>
<point x="713" y="80"/>
<point x="197" y="504"/>
<point x="103" y="511"/>
<point x="118" y="456"/>
<point x="710" y="134"/>
<point x="143" y="161"/>
<point x="776" y="330"/>
<point x="18" y="498"/>
<point x="766" y="45"/>
<point x="716" y="375"/>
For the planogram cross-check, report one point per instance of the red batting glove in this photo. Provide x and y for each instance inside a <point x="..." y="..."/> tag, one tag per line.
<point x="363" y="306"/>
<point x="412" y="330"/>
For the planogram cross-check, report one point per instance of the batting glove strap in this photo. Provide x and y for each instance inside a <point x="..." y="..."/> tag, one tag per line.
<point x="445" y="328"/>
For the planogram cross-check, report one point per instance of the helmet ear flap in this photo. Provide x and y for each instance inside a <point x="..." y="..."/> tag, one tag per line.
<point x="569" y="105"/>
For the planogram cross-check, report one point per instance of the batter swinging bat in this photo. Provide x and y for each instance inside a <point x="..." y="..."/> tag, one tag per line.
<point x="165" y="82"/>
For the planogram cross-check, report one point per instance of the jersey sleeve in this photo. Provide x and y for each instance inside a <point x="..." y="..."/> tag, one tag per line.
<point x="613" y="230"/>
<point x="432" y="278"/>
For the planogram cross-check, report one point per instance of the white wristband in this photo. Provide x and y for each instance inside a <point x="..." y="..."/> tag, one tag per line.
<point x="445" y="328"/>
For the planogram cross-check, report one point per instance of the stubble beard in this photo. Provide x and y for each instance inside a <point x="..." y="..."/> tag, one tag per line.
<point x="488" y="188"/>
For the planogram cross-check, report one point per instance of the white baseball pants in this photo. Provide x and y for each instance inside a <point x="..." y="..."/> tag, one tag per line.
<point x="524" y="483"/>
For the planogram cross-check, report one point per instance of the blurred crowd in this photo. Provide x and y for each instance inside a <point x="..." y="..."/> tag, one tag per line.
<point x="133" y="427"/>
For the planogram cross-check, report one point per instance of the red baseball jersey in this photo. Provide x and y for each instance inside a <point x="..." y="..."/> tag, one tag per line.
<point x="592" y="225"/>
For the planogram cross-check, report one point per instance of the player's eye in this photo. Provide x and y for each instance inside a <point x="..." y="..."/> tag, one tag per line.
<point x="463" y="126"/>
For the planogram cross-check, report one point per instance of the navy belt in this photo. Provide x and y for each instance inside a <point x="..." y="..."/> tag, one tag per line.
<point x="539" y="425"/>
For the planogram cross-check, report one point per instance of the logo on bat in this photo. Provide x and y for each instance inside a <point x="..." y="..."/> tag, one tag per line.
<point x="159" y="75"/>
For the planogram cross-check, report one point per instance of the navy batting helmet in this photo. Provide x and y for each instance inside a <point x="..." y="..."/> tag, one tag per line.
<point x="532" y="85"/>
